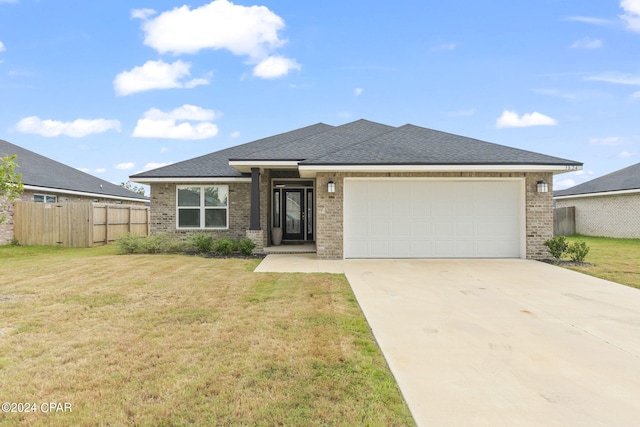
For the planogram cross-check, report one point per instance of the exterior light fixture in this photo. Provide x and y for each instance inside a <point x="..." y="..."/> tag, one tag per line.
<point x="331" y="187"/>
<point x="543" y="187"/>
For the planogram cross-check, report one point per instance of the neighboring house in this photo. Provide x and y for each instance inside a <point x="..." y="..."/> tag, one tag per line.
<point x="48" y="181"/>
<point x="365" y="190"/>
<point x="607" y="206"/>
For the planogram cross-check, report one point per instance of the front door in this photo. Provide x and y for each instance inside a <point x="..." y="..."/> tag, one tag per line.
<point x="293" y="214"/>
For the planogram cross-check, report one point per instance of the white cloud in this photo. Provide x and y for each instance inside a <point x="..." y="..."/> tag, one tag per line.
<point x="626" y="154"/>
<point x="631" y="14"/>
<point x="587" y="43"/>
<point x="156" y="75"/>
<point x="176" y="124"/>
<point x="99" y="170"/>
<point x="565" y="183"/>
<point x="186" y="112"/>
<point x="510" y="119"/>
<point x="357" y="91"/>
<point x="2" y="48"/>
<point x="143" y="14"/>
<point x="250" y="31"/>
<point x="85" y="170"/>
<point x="235" y="134"/>
<point x="275" y="66"/>
<point x="125" y="166"/>
<point x="76" y="129"/>
<point x="617" y="78"/>
<point x="589" y="20"/>
<point x="164" y="150"/>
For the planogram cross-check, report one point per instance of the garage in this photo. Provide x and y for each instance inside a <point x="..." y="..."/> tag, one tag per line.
<point x="434" y="218"/>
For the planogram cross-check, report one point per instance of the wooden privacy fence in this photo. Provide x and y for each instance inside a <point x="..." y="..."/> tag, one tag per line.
<point x="78" y="224"/>
<point x="564" y="221"/>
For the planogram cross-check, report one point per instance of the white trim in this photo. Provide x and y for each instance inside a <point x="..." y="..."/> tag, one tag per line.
<point x="307" y="171"/>
<point x="201" y="208"/>
<point x="522" y="200"/>
<point x="81" y="193"/>
<point x="603" y="193"/>
<point x="206" y="180"/>
<point x="246" y="165"/>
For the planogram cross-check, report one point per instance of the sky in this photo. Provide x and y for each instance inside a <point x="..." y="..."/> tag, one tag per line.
<point x="115" y="87"/>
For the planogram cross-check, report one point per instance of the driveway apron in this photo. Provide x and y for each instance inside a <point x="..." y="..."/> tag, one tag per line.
<point x="504" y="342"/>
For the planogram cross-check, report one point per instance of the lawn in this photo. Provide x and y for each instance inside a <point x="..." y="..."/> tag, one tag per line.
<point x="152" y="340"/>
<point x="617" y="260"/>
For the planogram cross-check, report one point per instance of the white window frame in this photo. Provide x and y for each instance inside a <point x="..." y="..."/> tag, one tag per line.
<point x="202" y="207"/>
<point x="45" y="197"/>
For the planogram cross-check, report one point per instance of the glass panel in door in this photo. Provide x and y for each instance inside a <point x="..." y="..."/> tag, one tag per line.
<point x="293" y="214"/>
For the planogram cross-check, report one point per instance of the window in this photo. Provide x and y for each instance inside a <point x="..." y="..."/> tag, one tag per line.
<point x="203" y="207"/>
<point x="45" y="198"/>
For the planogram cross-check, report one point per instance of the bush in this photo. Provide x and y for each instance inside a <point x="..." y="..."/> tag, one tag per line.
<point x="130" y="243"/>
<point x="246" y="246"/>
<point x="155" y="244"/>
<point x="224" y="246"/>
<point x="557" y="247"/>
<point x="578" y="251"/>
<point x="201" y="243"/>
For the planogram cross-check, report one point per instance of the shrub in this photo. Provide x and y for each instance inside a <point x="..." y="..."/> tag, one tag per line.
<point x="224" y="246"/>
<point x="155" y="244"/>
<point x="130" y="243"/>
<point x="578" y="251"/>
<point x="201" y="243"/>
<point x="246" y="246"/>
<point x="557" y="247"/>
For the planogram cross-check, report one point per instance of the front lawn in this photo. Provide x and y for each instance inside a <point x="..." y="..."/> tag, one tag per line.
<point x="156" y="340"/>
<point x="617" y="260"/>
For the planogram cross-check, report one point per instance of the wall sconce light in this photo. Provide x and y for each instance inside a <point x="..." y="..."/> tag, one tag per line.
<point x="331" y="187"/>
<point x="543" y="187"/>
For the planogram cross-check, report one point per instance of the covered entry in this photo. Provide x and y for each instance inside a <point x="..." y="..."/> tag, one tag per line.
<point x="434" y="218"/>
<point x="293" y="207"/>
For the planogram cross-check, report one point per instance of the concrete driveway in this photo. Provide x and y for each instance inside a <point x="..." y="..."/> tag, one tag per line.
<point x="503" y="342"/>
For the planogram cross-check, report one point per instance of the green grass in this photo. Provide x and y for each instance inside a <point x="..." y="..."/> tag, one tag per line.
<point x="155" y="340"/>
<point x="617" y="260"/>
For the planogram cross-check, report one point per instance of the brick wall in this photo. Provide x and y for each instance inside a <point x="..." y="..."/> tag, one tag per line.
<point x="609" y="216"/>
<point x="329" y="209"/>
<point x="6" y="207"/>
<point x="163" y="211"/>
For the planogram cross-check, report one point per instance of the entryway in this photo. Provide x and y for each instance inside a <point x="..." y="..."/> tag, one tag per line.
<point x="293" y="210"/>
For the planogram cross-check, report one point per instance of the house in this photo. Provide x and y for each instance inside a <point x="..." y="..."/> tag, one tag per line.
<point x="365" y="190"/>
<point x="48" y="181"/>
<point x="607" y="206"/>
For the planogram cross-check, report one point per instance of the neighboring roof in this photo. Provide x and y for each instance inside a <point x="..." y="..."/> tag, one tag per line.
<point x="357" y="143"/>
<point x="621" y="180"/>
<point x="47" y="174"/>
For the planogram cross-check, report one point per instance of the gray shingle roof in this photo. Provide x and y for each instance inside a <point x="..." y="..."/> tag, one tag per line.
<point x="410" y="144"/>
<point x="41" y="171"/>
<point x="620" y="180"/>
<point x="356" y="143"/>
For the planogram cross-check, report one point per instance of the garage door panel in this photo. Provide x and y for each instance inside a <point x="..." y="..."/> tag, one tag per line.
<point x="432" y="218"/>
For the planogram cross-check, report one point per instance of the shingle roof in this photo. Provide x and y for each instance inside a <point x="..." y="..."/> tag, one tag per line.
<point x="410" y="144"/>
<point x="357" y="143"/>
<point x="41" y="171"/>
<point x="620" y="180"/>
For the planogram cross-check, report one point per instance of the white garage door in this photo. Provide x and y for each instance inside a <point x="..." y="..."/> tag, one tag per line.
<point x="399" y="218"/>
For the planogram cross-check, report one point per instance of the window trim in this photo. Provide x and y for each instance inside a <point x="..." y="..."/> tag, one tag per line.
<point x="44" y="196"/>
<point x="202" y="208"/>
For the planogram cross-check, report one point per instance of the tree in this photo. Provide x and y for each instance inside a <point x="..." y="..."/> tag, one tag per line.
<point x="129" y="186"/>
<point x="10" y="181"/>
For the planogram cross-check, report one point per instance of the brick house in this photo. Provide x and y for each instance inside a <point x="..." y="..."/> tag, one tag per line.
<point x="48" y="181"/>
<point x="365" y="190"/>
<point x="608" y="206"/>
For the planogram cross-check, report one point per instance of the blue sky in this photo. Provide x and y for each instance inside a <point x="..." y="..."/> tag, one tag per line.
<point x="118" y="87"/>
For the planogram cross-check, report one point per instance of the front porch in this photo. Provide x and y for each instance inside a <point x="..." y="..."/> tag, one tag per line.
<point x="301" y="248"/>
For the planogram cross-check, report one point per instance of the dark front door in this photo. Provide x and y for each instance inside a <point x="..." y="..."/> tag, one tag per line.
<point x="293" y="214"/>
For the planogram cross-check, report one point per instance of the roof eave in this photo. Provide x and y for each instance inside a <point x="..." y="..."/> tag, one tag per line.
<point x="598" y="194"/>
<point x="184" y="179"/>
<point x="310" y="170"/>
<point x="245" y="166"/>
<point x="84" y="193"/>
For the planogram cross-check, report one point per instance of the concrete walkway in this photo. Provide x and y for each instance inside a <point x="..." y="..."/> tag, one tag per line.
<point x="500" y="342"/>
